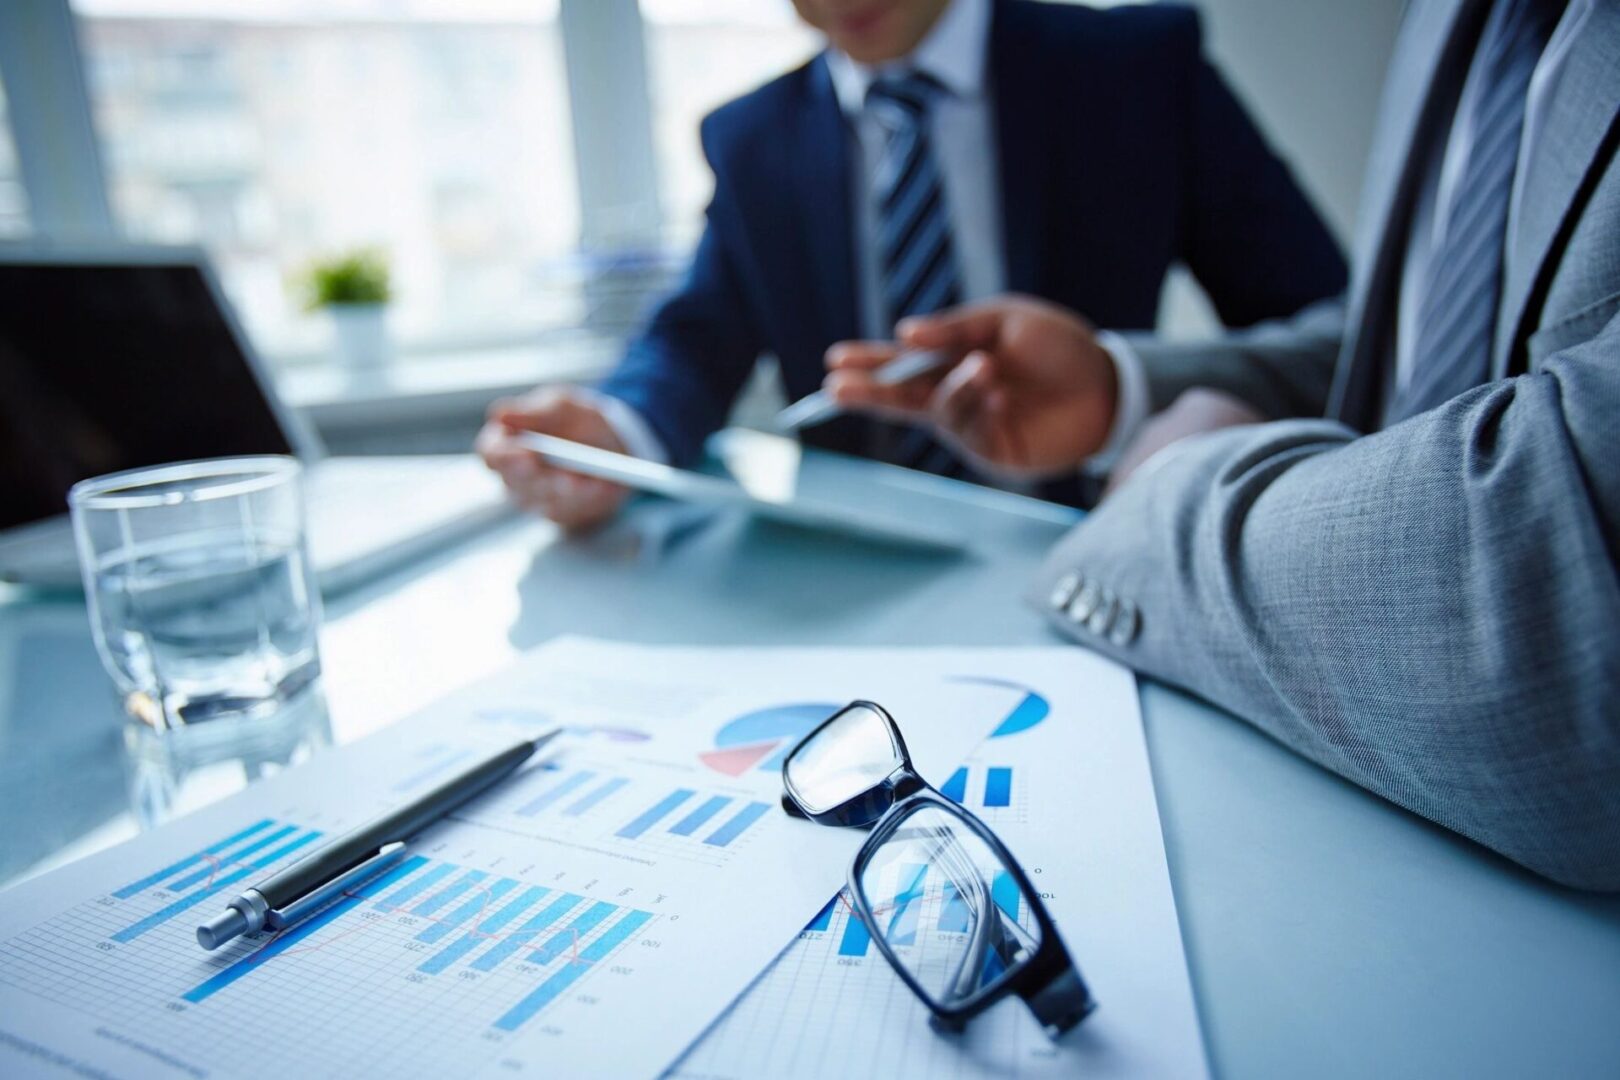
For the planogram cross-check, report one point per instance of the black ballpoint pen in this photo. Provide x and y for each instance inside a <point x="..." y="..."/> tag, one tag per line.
<point x="309" y="884"/>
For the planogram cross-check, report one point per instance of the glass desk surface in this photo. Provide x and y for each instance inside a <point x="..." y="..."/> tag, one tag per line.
<point x="1328" y="932"/>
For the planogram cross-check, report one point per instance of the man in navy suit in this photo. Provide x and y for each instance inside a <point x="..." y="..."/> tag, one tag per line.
<point x="940" y="151"/>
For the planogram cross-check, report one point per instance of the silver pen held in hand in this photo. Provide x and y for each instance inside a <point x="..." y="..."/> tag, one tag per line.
<point x="820" y="406"/>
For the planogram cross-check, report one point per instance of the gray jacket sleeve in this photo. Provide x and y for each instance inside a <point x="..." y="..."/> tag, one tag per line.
<point x="1283" y="368"/>
<point x="1432" y="611"/>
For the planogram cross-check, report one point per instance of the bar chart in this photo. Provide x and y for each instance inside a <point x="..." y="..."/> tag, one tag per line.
<point x="923" y="901"/>
<point x="475" y="952"/>
<point x="605" y="805"/>
<point x="478" y="922"/>
<point x="434" y="762"/>
<point x="989" y="789"/>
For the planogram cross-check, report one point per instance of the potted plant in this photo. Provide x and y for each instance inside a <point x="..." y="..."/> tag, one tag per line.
<point x="354" y="288"/>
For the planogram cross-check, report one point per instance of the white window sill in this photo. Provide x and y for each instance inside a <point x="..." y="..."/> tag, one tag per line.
<point x="419" y="389"/>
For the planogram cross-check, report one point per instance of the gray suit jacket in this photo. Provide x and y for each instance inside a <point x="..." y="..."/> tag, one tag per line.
<point x="1432" y="609"/>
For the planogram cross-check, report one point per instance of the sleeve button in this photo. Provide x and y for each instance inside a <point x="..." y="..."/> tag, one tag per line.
<point x="1102" y="619"/>
<point x="1064" y="590"/>
<point x="1084" y="603"/>
<point x="1126" y="624"/>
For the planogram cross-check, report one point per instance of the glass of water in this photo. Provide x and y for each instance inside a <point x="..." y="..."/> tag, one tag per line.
<point x="201" y="599"/>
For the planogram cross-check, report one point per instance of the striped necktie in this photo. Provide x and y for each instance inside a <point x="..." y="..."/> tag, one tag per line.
<point x="1457" y="314"/>
<point x="916" y="258"/>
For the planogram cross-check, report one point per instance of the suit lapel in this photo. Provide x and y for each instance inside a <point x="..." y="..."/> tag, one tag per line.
<point x="1019" y="103"/>
<point x="1578" y="117"/>
<point x="821" y="174"/>
<point x="1430" y="53"/>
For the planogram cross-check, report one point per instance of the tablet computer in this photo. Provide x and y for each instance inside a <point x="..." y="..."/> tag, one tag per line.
<point x="703" y="489"/>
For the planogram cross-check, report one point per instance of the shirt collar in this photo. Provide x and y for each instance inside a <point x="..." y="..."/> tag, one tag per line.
<point x="952" y="52"/>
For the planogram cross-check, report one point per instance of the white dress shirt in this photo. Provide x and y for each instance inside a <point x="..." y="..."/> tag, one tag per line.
<point x="962" y="133"/>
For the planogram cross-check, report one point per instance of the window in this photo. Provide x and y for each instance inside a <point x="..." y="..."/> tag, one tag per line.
<point x="13" y="200"/>
<point x="276" y="131"/>
<point x="701" y="54"/>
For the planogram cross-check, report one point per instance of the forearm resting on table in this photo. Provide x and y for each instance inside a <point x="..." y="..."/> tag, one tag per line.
<point x="1428" y="611"/>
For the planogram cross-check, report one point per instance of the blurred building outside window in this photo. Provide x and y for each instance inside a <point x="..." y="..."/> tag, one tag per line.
<point x="273" y="132"/>
<point x="701" y="54"/>
<point x="13" y="199"/>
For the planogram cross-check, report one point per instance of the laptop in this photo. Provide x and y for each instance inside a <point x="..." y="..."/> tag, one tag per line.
<point x="130" y="356"/>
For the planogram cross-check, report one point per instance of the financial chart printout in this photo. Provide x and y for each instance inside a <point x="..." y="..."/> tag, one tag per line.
<point x="1064" y="781"/>
<point x="590" y="916"/>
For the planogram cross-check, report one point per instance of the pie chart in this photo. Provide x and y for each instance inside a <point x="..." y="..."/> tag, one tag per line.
<point x="1031" y="709"/>
<point x="761" y="739"/>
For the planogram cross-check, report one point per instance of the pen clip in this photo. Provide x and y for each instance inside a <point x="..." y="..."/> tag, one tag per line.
<point x="386" y="856"/>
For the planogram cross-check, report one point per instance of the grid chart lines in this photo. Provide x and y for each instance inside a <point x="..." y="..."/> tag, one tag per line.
<point x="469" y="944"/>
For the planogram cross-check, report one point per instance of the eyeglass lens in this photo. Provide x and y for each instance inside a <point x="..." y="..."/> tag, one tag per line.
<point x="953" y="914"/>
<point x="852" y="754"/>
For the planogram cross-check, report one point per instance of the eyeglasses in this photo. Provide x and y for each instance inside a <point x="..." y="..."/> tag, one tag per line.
<point x="947" y="904"/>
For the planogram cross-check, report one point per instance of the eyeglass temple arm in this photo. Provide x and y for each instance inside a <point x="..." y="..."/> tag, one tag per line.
<point x="970" y="886"/>
<point x="1001" y="933"/>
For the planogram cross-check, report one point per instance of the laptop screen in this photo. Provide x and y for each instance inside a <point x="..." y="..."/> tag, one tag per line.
<point x="108" y="367"/>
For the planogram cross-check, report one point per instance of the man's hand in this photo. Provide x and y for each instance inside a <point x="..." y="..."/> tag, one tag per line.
<point x="571" y="500"/>
<point x="1033" y="394"/>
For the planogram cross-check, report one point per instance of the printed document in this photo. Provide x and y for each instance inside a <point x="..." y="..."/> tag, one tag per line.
<point x="592" y="915"/>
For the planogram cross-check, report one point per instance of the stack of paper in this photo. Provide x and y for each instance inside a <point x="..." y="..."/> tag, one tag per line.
<point x="599" y="911"/>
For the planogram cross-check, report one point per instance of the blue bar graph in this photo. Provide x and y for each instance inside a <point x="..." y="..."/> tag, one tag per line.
<point x="566" y="976"/>
<point x="856" y="937"/>
<point x="734" y="828"/>
<point x="286" y="940"/>
<point x="595" y="796"/>
<point x="219" y="885"/>
<point x="214" y="865"/>
<point x="525" y="934"/>
<point x="570" y="783"/>
<point x="903" y="922"/>
<point x="823" y="920"/>
<point x="541" y="996"/>
<point x="439" y="899"/>
<point x="615" y="936"/>
<point x="569" y="935"/>
<point x="190" y="860"/>
<point x="998" y="787"/>
<point x="651" y="816"/>
<point x="690" y="823"/>
<point x="953" y="914"/>
<point x="442" y="765"/>
<point x="1004" y="891"/>
<point x="415" y="887"/>
<point x="465" y="944"/>
<point x="478" y="905"/>
<point x="955" y="789"/>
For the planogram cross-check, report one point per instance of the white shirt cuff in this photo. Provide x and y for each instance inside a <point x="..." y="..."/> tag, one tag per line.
<point x="628" y="424"/>
<point x="1130" y="410"/>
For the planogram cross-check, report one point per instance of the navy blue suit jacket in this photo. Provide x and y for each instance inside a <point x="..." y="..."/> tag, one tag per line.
<point x="1121" y="152"/>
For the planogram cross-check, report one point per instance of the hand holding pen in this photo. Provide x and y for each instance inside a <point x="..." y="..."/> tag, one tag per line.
<point x="819" y="407"/>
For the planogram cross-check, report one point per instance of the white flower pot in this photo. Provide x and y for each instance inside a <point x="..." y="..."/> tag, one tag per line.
<point x="361" y="332"/>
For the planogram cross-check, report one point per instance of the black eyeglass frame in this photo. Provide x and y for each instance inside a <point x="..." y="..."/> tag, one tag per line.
<point x="1048" y="982"/>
